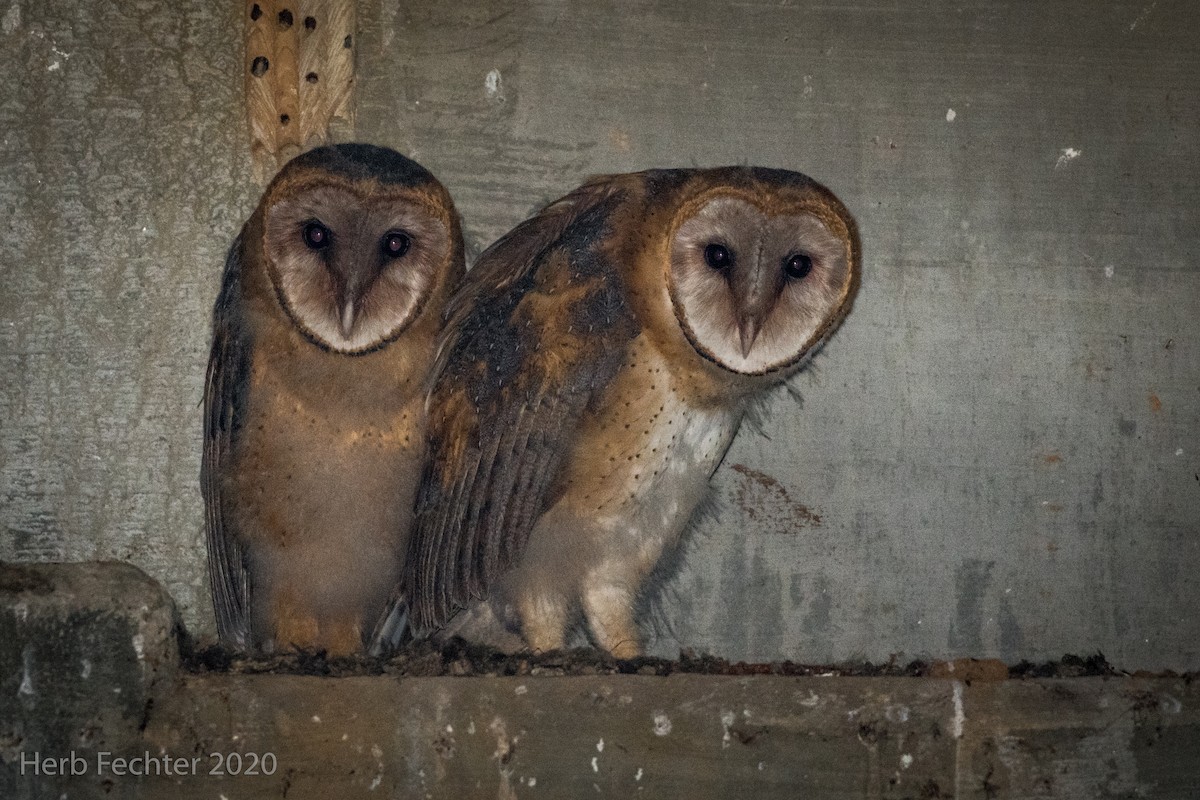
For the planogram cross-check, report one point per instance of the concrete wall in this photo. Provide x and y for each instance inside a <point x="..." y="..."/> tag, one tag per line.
<point x="123" y="178"/>
<point x="997" y="455"/>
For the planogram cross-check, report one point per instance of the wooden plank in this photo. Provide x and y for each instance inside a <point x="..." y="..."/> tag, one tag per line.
<point x="299" y="78"/>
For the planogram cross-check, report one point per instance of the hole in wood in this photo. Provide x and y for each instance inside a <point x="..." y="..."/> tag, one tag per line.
<point x="255" y="12"/>
<point x="347" y="42"/>
<point x="284" y="119"/>
<point x="311" y="77"/>
<point x="259" y="66"/>
<point x="285" y="19"/>
<point x="310" y="23"/>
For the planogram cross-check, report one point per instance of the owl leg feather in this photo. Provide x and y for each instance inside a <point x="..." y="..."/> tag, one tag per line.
<point x="609" y="611"/>
<point x="291" y="624"/>
<point x="544" y="621"/>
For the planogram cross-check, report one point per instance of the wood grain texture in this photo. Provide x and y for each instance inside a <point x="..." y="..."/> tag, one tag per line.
<point x="299" y="77"/>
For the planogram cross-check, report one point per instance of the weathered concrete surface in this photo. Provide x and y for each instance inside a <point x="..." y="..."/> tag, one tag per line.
<point x="93" y="704"/>
<point x="85" y="652"/>
<point x="997" y="454"/>
<point x="124" y="175"/>
<point x="1082" y="737"/>
<point x="684" y="736"/>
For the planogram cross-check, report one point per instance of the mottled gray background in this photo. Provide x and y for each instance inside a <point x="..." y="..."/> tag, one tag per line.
<point x="996" y="456"/>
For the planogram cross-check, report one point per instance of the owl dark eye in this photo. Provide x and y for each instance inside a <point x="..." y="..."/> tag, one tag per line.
<point x="316" y="236"/>
<point x="797" y="265"/>
<point x="718" y="256"/>
<point x="396" y="244"/>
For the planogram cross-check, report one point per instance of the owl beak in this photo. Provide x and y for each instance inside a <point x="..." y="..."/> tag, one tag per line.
<point x="748" y="329"/>
<point x="754" y="295"/>
<point x="348" y="319"/>
<point x="350" y="298"/>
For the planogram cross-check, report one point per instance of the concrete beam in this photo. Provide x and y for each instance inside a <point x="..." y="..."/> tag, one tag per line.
<point x="140" y="727"/>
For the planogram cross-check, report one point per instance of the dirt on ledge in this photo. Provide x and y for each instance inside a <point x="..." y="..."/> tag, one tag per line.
<point x="458" y="658"/>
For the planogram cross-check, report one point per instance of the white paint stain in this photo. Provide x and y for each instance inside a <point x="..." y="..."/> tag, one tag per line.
<point x="532" y="782"/>
<point x="12" y="19"/>
<point x="808" y="88"/>
<point x="315" y="718"/>
<point x="1179" y="452"/>
<point x="86" y="671"/>
<point x="1170" y="705"/>
<point x="21" y="610"/>
<point x="639" y="774"/>
<point x="950" y="114"/>
<point x="812" y="701"/>
<point x="375" y="783"/>
<point x="662" y="724"/>
<point x="595" y="764"/>
<point x="906" y="760"/>
<point x="1066" y="156"/>
<point x="600" y="746"/>
<point x="522" y="689"/>
<point x="471" y="727"/>
<point x="727" y="718"/>
<point x="493" y="86"/>
<point x="1142" y="16"/>
<point x="960" y="717"/>
<point x="503" y="745"/>
<point x="896" y="713"/>
<point x="762" y="765"/>
<point x="1108" y="271"/>
<point x="139" y="646"/>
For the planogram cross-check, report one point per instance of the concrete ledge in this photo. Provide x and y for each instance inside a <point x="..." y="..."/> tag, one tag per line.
<point x="85" y="652"/>
<point x="681" y="736"/>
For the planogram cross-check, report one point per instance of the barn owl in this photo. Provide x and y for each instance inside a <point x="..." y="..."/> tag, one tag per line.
<point x="323" y="336"/>
<point x="595" y="367"/>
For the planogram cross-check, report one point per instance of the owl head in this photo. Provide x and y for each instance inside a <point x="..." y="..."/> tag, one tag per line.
<point x="355" y="240"/>
<point x="761" y="267"/>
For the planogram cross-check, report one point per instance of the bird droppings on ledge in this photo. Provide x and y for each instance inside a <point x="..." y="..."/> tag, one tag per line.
<point x="457" y="658"/>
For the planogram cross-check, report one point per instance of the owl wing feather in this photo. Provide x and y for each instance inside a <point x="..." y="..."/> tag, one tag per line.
<point x="538" y="328"/>
<point x="224" y="406"/>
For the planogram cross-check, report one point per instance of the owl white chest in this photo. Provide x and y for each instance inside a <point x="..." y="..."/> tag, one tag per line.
<point x="657" y="484"/>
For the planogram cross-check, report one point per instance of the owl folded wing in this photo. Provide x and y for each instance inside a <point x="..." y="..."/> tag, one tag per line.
<point x="224" y="405"/>
<point x="538" y="329"/>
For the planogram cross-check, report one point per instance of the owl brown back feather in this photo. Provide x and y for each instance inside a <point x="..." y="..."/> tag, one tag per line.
<point x="226" y="383"/>
<point x="539" y="326"/>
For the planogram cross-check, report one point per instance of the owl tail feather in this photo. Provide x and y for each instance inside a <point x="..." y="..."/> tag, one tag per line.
<point x="392" y="631"/>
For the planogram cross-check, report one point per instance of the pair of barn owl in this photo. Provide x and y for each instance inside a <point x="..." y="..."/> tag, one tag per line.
<point x="391" y="447"/>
